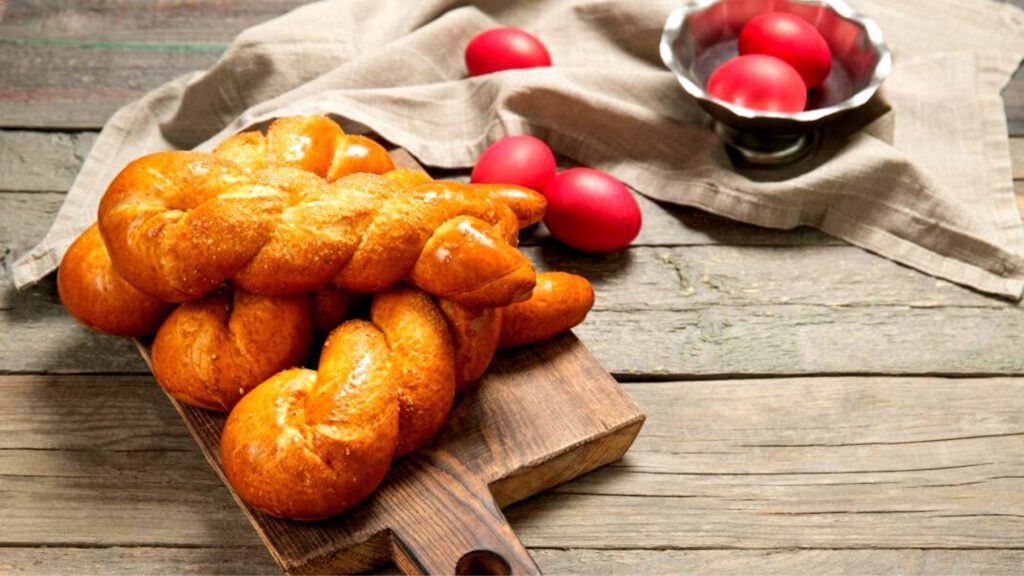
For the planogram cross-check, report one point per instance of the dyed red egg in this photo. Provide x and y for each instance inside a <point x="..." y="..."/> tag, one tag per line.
<point x="760" y="83"/>
<point x="790" y="39"/>
<point x="522" y="160"/>
<point x="505" y="49"/>
<point x="591" y="211"/>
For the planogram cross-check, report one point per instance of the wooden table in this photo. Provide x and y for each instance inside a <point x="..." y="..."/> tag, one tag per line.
<point x="863" y="418"/>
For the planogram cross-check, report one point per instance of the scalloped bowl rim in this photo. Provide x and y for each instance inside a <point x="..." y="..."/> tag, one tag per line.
<point x="674" y="24"/>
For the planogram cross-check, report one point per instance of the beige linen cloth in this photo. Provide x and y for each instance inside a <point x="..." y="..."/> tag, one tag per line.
<point x="927" y="184"/>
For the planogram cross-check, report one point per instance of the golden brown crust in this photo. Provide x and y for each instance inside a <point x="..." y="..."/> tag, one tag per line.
<point x="355" y="153"/>
<point x="475" y="333"/>
<point x="408" y="177"/>
<point x="179" y="224"/>
<point x="306" y="445"/>
<point x="528" y="205"/>
<point x="332" y="306"/>
<point x="461" y="252"/>
<point x="211" y="352"/>
<point x="310" y="143"/>
<point x="246" y="149"/>
<point x="282" y="215"/>
<point x="422" y="359"/>
<point x="559" y="302"/>
<point x="98" y="297"/>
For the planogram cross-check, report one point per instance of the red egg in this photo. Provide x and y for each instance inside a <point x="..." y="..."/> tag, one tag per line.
<point x="759" y="83"/>
<point x="505" y="49"/>
<point x="591" y="211"/>
<point x="522" y="160"/>
<point x="791" y="39"/>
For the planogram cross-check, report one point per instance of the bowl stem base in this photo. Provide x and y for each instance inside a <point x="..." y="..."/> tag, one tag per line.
<point x="750" y="149"/>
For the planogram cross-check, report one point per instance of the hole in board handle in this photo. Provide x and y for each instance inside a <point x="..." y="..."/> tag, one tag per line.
<point x="482" y="562"/>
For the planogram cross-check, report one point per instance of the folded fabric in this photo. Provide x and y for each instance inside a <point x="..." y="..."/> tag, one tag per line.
<point x="927" y="183"/>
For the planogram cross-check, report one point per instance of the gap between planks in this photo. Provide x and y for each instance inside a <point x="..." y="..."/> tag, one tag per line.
<point x="844" y="463"/>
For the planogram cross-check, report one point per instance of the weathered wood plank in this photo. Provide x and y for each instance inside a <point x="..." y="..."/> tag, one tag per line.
<point x="916" y="462"/>
<point x="46" y="86"/>
<point x="180" y="24"/>
<point x="37" y="335"/>
<point x="129" y="561"/>
<point x="119" y="414"/>
<point x="723" y="311"/>
<point x="779" y="562"/>
<point x="125" y="498"/>
<point x="27" y="217"/>
<point x="41" y="161"/>
<point x="72" y="67"/>
<point x="797" y="340"/>
<point x="141" y="560"/>
<point x="774" y="463"/>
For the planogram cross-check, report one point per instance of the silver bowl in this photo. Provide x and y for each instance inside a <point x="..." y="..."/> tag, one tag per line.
<point x="701" y="35"/>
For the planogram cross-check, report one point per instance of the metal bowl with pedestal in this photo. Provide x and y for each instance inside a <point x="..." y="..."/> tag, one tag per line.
<point x="701" y="35"/>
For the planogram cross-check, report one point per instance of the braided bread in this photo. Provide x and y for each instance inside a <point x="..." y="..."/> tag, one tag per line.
<point x="296" y="220"/>
<point x="306" y="445"/>
<point x="260" y="213"/>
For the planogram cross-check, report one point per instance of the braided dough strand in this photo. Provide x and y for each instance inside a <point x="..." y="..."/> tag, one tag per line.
<point x="308" y="445"/>
<point x="270" y="214"/>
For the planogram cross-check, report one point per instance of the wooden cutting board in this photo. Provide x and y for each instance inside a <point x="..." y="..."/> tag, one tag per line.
<point x="541" y="415"/>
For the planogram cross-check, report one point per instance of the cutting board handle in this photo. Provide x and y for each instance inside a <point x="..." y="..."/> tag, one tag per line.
<point x="458" y="528"/>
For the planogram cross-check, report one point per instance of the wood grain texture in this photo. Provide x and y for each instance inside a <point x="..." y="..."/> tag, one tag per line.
<point x="72" y="67"/>
<point x="66" y="86"/>
<point x="41" y="161"/>
<point x="178" y="23"/>
<point x="816" y="463"/>
<point x="135" y="561"/>
<point x="116" y="561"/>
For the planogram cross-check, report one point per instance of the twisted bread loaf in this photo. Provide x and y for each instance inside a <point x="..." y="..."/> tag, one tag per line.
<point x="281" y="215"/>
<point x="306" y="445"/>
<point x="210" y="352"/>
<point x="96" y="294"/>
<point x="179" y="224"/>
<point x="204" y="371"/>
